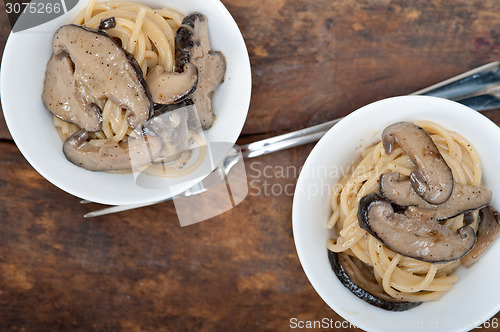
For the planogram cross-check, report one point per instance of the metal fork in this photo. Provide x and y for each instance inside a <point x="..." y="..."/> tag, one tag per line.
<point x="478" y="88"/>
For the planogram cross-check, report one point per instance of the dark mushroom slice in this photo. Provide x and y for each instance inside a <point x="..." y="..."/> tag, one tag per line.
<point x="66" y="98"/>
<point x="192" y="45"/>
<point x="487" y="232"/>
<point x="358" y="278"/>
<point x="128" y="154"/>
<point x="433" y="180"/>
<point x="463" y="198"/>
<point x="172" y="87"/>
<point x="105" y="70"/>
<point x="107" y="23"/>
<point x="193" y="121"/>
<point x="421" y="239"/>
<point x="159" y="109"/>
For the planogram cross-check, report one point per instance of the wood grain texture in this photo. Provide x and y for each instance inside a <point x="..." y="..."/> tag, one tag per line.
<point x="316" y="60"/>
<point x="139" y="270"/>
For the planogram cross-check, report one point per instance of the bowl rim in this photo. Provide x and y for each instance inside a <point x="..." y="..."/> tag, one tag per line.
<point x="344" y="302"/>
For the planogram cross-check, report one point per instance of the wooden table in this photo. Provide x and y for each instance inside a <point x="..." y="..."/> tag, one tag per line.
<point x="312" y="61"/>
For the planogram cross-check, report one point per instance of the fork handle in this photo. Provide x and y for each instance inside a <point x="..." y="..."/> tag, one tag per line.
<point x="473" y="88"/>
<point x="475" y="82"/>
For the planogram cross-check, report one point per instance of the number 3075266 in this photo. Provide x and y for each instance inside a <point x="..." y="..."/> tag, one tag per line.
<point x="33" y="8"/>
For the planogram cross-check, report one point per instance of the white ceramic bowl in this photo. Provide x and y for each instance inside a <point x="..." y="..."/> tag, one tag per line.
<point x="472" y="300"/>
<point x="30" y="124"/>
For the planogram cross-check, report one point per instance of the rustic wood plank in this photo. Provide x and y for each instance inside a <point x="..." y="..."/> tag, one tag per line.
<point x="139" y="270"/>
<point x="317" y="60"/>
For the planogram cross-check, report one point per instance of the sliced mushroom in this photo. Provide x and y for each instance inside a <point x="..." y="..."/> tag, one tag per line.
<point x="463" y="197"/>
<point x="131" y="153"/>
<point x="67" y="98"/>
<point x="104" y="70"/>
<point x="358" y="278"/>
<point x="425" y="240"/>
<point x="172" y="87"/>
<point x="416" y="213"/>
<point x="192" y="45"/>
<point x="433" y="180"/>
<point x="193" y="120"/>
<point x="107" y="23"/>
<point x="487" y="232"/>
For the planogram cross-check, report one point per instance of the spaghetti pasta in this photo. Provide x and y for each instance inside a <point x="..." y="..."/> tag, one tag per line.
<point x="149" y="36"/>
<point x="402" y="278"/>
